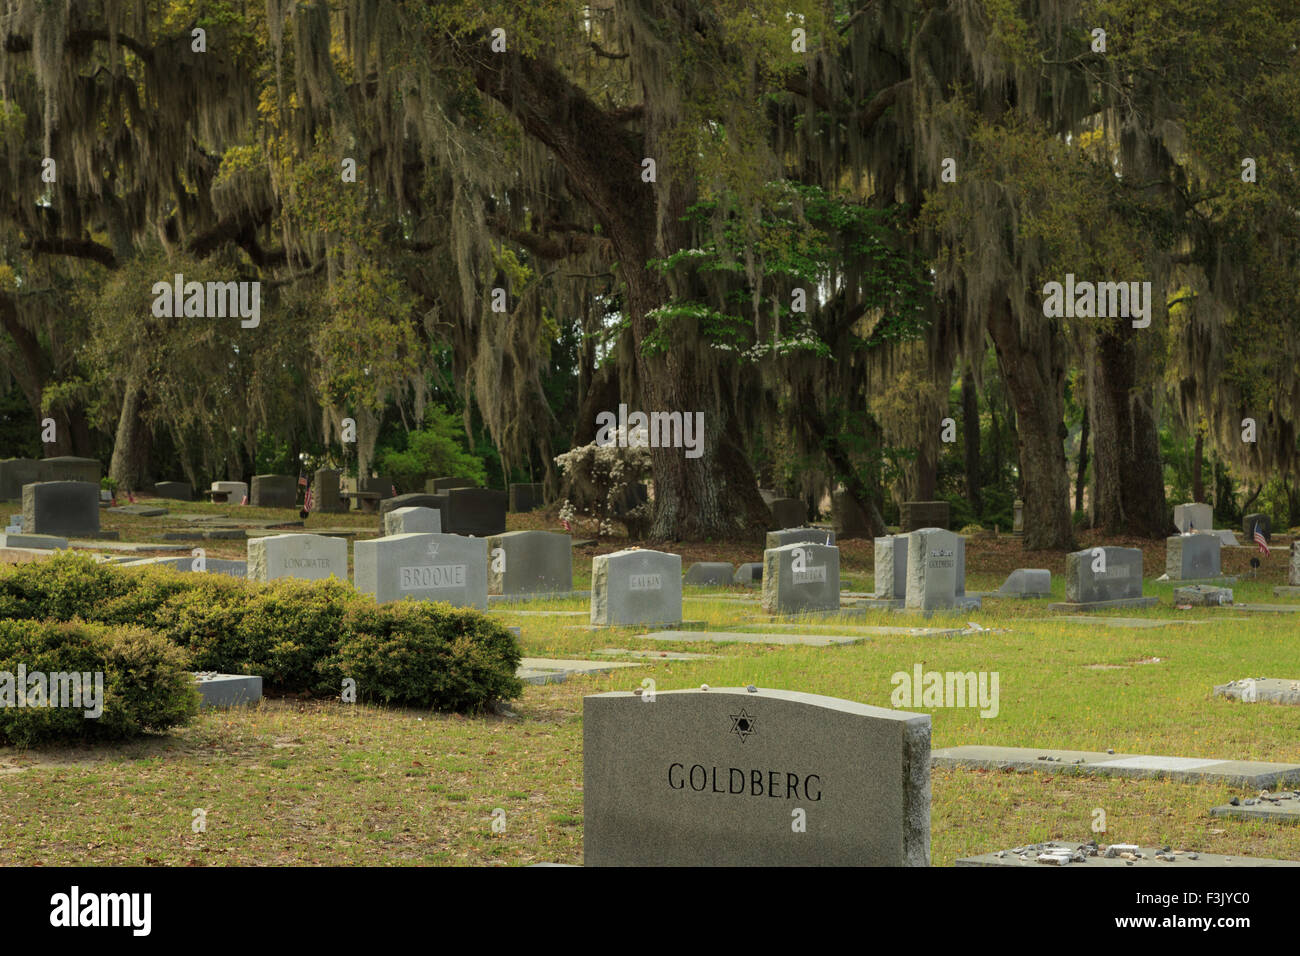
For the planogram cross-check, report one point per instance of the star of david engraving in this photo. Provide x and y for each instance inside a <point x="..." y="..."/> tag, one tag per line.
<point x="433" y="549"/>
<point x="742" y="724"/>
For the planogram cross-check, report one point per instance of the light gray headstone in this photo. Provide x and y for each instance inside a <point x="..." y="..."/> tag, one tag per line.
<point x="778" y="539"/>
<point x="1293" y="569"/>
<point x="414" y="520"/>
<point x="67" y="508"/>
<point x="799" y="578"/>
<point x="1118" y="577"/>
<point x="1189" y="557"/>
<point x="749" y="574"/>
<point x="891" y="567"/>
<point x="725" y="777"/>
<point x="636" y="587"/>
<point x="235" y="490"/>
<point x="1196" y="515"/>
<point x="1018" y="516"/>
<point x="530" y="562"/>
<point x="709" y="574"/>
<point x="933" y="565"/>
<point x="1028" y="582"/>
<point x="312" y="557"/>
<point x="425" y="567"/>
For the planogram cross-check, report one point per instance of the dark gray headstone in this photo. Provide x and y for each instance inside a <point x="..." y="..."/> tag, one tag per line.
<point x="325" y="489"/>
<point x="381" y="485"/>
<point x="725" y="777"/>
<point x="526" y="497"/>
<point x="174" y="490"/>
<point x="787" y="513"/>
<point x="530" y="562"/>
<point x="274" y="491"/>
<point x="709" y="574"/>
<point x="749" y="574"/>
<point x="849" y="519"/>
<point x="1265" y="526"/>
<point x="16" y="472"/>
<point x="69" y="468"/>
<point x="425" y="567"/>
<point x="66" y="508"/>
<point x="1027" y="583"/>
<point x="924" y="514"/>
<point x="476" y="511"/>
<point x="1089" y="578"/>
<point x="440" y="486"/>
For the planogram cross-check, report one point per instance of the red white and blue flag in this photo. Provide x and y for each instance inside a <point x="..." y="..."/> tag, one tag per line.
<point x="1259" y="540"/>
<point x="307" y="498"/>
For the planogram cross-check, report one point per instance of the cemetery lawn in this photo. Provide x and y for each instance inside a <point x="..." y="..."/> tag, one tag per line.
<point x="321" y="783"/>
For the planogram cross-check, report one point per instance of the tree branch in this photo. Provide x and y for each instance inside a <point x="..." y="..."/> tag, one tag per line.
<point x="79" y="248"/>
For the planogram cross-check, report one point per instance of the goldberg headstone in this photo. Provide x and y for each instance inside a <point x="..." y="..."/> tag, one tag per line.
<point x="1191" y="557"/>
<point x="800" y="578"/>
<point x="636" y="587"/>
<point x="530" y="562"/>
<point x="709" y="574"/>
<point x="1193" y="516"/>
<point x="891" y="567"/>
<point x="274" y="491"/>
<point x="313" y="557"/>
<point x="412" y="521"/>
<point x="67" y="508"/>
<point x="426" y="567"/>
<point x="729" y="777"/>
<point x="935" y="571"/>
<point x="779" y="539"/>
<point x="787" y="513"/>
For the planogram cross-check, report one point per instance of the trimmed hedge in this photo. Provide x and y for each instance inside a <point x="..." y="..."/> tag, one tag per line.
<point x="146" y="685"/>
<point x="298" y="636"/>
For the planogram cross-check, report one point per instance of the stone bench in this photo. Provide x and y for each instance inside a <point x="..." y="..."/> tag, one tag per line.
<point x="367" y="501"/>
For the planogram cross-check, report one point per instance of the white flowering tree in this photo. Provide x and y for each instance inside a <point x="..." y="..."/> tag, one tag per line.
<point x="599" y="478"/>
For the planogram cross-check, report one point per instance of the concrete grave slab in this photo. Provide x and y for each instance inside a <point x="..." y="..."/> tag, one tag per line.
<point x="1202" y="595"/>
<point x="227" y="690"/>
<point x="1181" y="769"/>
<point x="715" y="778"/>
<point x="38" y="542"/>
<point x="235" y="569"/>
<point x="140" y="511"/>
<point x="1066" y="854"/>
<point x="540" y="596"/>
<point x="1255" y="690"/>
<point x="752" y="637"/>
<point x="550" y="670"/>
<point x="656" y="655"/>
<point x="1282" y="807"/>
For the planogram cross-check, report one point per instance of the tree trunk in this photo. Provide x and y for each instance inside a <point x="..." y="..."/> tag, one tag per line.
<point x="970" y="418"/>
<point x="129" y="466"/>
<point x="1080" y="479"/>
<point x="1034" y="371"/>
<point x="1125" y="441"/>
<point x="1198" y="457"/>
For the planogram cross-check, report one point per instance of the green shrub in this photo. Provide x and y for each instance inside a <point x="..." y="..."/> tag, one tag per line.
<point x="298" y="636"/>
<point x="426" y="655"/>
<point x="146" y="684"/>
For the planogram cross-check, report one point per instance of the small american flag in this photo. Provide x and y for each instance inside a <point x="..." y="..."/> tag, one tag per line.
<point x="245" y="501"/>
<point x="129" y="496"/>
<point x="307" y="498"/>
<point x="393" y="488"/>
<point x="1259" y="540"/>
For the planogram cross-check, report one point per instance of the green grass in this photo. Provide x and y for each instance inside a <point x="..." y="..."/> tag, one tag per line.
<point x="292" y="782"/>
